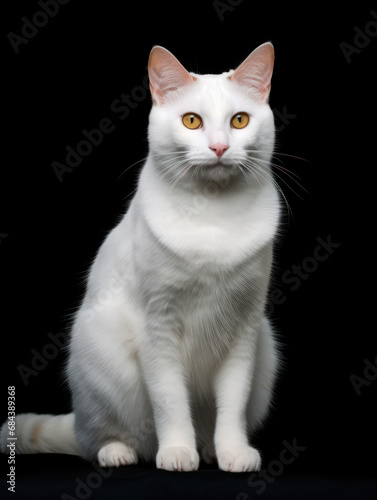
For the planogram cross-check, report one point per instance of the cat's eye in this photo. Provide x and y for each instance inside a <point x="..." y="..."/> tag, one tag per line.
<point x="191" y="120"/>
<point x="240" y="120"/>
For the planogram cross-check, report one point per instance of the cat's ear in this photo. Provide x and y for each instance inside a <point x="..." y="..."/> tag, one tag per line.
<point x="256" y="71"/>
<point x="166" y="74"/>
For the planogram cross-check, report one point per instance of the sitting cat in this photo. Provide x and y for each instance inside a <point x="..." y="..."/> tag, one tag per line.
<point x="181" y="358"/>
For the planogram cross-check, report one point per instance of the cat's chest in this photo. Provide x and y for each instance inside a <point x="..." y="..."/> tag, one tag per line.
<point x="213" y="310"/>
<point x="205" y="231"/>
<point x="209" y="311"/>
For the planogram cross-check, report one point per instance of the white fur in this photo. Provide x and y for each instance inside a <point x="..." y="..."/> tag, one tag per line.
<point x="170" y="352"/>
<point x="42" y="434"/>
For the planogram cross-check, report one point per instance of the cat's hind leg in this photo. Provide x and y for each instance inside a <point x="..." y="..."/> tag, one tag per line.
<point x="113" y="417"/>
<point x="267" y="361"/>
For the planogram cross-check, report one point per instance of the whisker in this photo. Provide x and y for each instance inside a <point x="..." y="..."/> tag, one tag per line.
<point x="274" y="153"/>
<point x="172" y="153"/>
<point x="291" y="175"/>
<point x="249" y="170"/>
<point x="170" y="167"/>
<point x="136" y="162"/>
<point x="253" y="167"/>
<point x="180" y="176"/>
<point x="275" y="165"/>
<point x="288" y="173"/>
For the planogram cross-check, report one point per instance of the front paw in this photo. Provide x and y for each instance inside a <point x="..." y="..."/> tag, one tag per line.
<point x="177" y="458"/>
<point x="239" y="459"/>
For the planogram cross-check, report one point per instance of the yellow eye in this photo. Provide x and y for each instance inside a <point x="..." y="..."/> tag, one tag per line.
<point x="240" y="120"/>
<point x="191" y="120"/>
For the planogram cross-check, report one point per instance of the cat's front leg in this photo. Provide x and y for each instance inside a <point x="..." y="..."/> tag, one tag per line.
<point x="164" y="376"/>
<point x="232" y="388"/>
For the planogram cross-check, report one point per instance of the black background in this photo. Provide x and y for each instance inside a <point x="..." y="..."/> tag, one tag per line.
<point x="67" y="77"/>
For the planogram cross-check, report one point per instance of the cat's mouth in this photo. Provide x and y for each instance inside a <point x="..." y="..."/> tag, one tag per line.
<point x="217" y="162"/>
<point x="218" y="169"/>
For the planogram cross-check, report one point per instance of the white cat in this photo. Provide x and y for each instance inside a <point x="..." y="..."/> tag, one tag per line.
<point x="180" y="356"/>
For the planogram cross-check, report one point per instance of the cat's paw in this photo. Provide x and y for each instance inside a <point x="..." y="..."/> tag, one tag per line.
<point x="116" y="454"/>
<point x="239" y="459"/>
<point x="177" y="458"/>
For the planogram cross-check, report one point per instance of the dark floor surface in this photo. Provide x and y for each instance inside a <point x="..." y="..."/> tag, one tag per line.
<point x="67" y="478"/>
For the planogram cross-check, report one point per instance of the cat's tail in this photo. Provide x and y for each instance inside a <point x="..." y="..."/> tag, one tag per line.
<point x="40" y="434"/>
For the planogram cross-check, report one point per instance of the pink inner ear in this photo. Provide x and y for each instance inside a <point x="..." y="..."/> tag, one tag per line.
<point x="166" y="74"/>
<point x="256" y="71"/>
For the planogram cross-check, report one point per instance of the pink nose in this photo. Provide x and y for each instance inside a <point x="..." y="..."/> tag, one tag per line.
<point x="219" y="149"/>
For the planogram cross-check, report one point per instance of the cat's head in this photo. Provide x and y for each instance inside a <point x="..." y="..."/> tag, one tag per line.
<point x="210" y="126"/>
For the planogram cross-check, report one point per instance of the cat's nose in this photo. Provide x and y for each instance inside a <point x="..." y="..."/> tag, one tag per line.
<point x="219" y="149"/>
